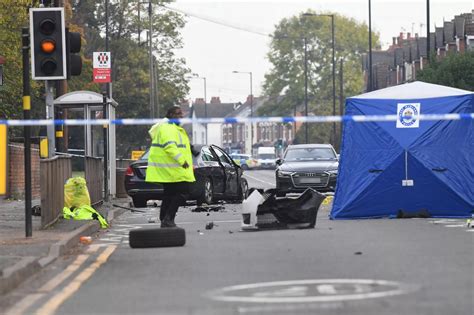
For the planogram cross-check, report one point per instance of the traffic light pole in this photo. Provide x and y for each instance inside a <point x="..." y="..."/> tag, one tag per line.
<point x="49" y="96"/>
<point x="26" y="130"/>
<point x="106" y="162"/>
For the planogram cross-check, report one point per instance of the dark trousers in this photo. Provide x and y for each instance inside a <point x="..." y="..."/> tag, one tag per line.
<point x="175" y="195"/>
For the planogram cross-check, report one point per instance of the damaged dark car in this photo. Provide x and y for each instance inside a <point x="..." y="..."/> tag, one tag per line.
<point x="218" y="177"/>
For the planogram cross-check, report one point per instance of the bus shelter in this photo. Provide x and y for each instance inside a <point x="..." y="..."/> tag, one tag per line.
<point x="91" y="105"/>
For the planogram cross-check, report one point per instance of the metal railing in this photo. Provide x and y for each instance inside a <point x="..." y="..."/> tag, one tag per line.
<point x="94" y="172"/>
<point x="54" y="173"/>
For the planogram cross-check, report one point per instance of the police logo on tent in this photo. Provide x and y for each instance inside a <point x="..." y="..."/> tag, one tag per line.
<point x="408" y="115"/>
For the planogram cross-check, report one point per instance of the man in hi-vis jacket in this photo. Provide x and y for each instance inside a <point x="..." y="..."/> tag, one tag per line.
<point x="170" y="163"/>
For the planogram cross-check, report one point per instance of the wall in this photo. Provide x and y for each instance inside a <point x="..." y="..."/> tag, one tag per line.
<point x="16" y="171"/>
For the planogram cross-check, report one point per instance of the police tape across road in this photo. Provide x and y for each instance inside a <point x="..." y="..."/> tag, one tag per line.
<point x="234" y="120"/>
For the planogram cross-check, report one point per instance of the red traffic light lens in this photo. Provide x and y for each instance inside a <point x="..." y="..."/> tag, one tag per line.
<point x="48" y="66"/>
<point x="48" y="46"/>
<point x="47" y="26"/>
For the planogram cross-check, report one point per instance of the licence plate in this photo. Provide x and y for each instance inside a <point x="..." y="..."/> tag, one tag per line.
<point x="310" y="180"/>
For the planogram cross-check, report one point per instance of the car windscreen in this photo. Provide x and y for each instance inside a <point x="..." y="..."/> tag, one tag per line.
<point x="266" y="156"/>
<point x="309" y="154"/>
<point x="145" y="155"/>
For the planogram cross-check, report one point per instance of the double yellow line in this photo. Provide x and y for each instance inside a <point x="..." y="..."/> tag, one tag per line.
<point x="55" y="301"/>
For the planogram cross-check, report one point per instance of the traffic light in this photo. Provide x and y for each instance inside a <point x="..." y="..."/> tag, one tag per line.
<point x="48" y="44"/>
<point x="279" y="143"/>
<point x="74" y="60"/>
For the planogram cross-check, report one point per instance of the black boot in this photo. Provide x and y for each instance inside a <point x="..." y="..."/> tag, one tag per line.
<point x="168" y="223"/>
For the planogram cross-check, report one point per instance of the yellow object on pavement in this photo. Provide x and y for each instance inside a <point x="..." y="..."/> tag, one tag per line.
<point x="85" y="213"/>
<point x="77" y="202"/>
<point x="76" y="193"/>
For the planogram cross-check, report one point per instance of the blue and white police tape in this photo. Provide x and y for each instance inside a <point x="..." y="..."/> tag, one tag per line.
<point x="234" y="120"/>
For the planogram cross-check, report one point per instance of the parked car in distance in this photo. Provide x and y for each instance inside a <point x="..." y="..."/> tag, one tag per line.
<point x="218" y="177"/>
<point x="307" y="165"/>
<point x="266" y="157"/>
<point x="246" y="161"/>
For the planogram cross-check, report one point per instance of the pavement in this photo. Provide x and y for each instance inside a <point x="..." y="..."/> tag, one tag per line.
<point x="21" y="256"/>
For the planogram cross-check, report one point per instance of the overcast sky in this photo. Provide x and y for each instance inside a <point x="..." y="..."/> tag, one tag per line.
<point x="227" y="35"/>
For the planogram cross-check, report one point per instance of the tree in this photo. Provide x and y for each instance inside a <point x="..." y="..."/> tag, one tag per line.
<point x="285" y="84"/>
<point x="14" y="16"/>
<point x="130" y="59"/>
<point x="456" y="70"/>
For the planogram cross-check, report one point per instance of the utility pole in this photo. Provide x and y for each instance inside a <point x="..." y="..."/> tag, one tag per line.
<point x="104" y="111"/>
<point x="370" y="50"/>
<point x="428" y="46"/>
<point x="333" y="44"/>
<point x="152" y="83"/>
<point x="305" y="90"/>
<point x="341" y="100"/>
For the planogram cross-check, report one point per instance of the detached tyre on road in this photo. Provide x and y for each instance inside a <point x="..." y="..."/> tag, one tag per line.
<point x="157" y="237"/>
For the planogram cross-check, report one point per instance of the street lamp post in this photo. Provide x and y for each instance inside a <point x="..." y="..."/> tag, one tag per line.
<point x="305" y="89"/>
<point x="428" y="45"/>
<point x="333" y="44"/>
<point x="152" y="92"/>
<point x="251" y="107"/>
<point x="197" y="76"/>
<point x="205" y="104"/>
<point x="370" y="49"/>
<point x="150" y="53"/>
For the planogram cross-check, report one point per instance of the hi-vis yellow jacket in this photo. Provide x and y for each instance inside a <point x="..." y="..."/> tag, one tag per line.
<point x="170" y="148"/>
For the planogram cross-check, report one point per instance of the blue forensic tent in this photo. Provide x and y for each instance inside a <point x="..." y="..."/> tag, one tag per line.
<point x="409" y="165"/>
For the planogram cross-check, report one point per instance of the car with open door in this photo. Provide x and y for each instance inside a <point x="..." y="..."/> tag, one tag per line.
<point x="218" y="177"/>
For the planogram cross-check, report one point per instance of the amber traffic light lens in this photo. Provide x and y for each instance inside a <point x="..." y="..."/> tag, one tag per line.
<point x="47" y="26"/>
<point x="48" y="46"/>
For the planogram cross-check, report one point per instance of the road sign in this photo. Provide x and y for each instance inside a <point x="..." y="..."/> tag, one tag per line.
<point x="101" y="64"/>
<point x="137" y="154"/>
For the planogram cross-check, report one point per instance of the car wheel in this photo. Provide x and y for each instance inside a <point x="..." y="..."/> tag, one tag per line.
<point x="157" y="237"/>
<point x="244" y="190"/>
<point x="245" y="167"/>
<point x="207" y="193"/>
<point x="139" y="202"/>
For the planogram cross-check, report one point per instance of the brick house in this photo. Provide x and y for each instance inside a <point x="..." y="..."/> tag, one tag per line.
<point x="215" y="109"/>
<point x="236" y="137"/>
<point x="407" y="55"/>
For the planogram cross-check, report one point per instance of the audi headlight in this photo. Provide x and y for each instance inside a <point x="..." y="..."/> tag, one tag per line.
<point x="284" y="173"/>
<point x="332" y="172"/>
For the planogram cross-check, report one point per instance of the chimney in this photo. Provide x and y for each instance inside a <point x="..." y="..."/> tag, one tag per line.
<point x="400" y="39"/>
<point x="199" y="101"/>
<point x="215" y="100"/>
<point x="394" y="41"/>
<point x="249" y="99"/>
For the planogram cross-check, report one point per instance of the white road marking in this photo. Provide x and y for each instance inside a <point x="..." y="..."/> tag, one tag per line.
<point x="392" y="289"/>
<point x="258" y="179"/>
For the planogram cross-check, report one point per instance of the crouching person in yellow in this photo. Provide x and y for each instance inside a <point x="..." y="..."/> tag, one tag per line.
<point x="170" y="163"/>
